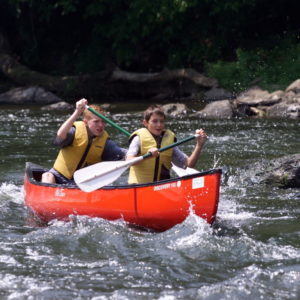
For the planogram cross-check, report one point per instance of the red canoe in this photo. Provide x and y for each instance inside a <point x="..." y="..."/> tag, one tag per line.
<point x="158" y="206"/>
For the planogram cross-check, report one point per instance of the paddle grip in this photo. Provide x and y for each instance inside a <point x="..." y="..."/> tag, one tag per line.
<point x="107" y="120"/>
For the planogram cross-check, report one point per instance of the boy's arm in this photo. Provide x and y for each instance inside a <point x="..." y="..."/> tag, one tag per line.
<point x="201" y="139"/>
<point x="134" y="148"/>
<point x="112" y="151"/>
<point x="179" y="158"/>
<point x="65" y="127"/>
<point x="67" y="141"/>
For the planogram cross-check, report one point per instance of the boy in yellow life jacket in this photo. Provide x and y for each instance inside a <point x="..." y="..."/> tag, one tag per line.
<point x="82" y="143"/>
<point x="150" y="139"/>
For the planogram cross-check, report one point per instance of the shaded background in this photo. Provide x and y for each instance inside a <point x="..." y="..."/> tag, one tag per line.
<point x="239" y="42"/>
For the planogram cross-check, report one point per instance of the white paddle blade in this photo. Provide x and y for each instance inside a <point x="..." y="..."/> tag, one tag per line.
<point x="98" y="175"/>
<point x="183" y="172"/>
<point x="96" y="182"/>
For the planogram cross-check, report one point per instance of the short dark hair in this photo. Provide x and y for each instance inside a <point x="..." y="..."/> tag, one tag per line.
<point x="153" y="109"/>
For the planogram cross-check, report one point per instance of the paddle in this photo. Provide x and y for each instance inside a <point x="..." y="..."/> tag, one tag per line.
<point x="183" y="172"/>
<point x="179" y="171"/>
<point x="106" y="172"/>
<point x="107" y="120"/>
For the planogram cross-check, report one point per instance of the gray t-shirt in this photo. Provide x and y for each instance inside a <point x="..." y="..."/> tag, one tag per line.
<point x="178" y="157"/>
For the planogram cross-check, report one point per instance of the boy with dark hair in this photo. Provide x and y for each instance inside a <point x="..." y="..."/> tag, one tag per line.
<point x="150" y="139"/>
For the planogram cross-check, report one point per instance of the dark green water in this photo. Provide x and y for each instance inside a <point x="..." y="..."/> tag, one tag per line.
<point x="251" y="252"/>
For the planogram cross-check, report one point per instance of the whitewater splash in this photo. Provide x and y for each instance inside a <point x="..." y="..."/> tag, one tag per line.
<point x="11" y="192"/>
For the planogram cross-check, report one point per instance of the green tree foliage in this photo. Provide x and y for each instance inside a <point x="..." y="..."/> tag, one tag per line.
<point x="73" y="36"/>
<point x="271" y="69"/>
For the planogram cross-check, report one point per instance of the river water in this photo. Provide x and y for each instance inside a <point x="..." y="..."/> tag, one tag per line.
<point x="251" y="252"/>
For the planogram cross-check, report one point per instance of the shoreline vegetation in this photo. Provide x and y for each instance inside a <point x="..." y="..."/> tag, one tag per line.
<point x="239" y="58"/>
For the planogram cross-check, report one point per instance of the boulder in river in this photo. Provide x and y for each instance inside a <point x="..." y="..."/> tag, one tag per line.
<point x="283" y="172"/>
<point x="58" y="106"/>
<point x="175" y="109"/>
<point x="217" y="109"/>
<point x="28" y="95"/>
<point x="294" y="86"/>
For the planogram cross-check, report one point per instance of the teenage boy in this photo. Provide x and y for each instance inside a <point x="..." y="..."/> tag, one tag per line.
<point x="150" y="139"/>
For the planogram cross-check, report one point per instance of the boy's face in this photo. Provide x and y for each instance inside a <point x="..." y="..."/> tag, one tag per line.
<point x="95" y="125"/>
<point x="156" y="124"/>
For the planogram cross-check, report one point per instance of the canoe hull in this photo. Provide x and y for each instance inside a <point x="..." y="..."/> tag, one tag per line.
<point x="158" y="206"/>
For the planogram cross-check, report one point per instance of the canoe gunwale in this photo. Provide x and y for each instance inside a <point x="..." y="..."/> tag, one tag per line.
<point x="31" y="167"/>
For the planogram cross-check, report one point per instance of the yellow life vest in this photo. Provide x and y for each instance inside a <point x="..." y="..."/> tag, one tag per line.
<point x="69" y="157"/>
<point x="149" y="170"/>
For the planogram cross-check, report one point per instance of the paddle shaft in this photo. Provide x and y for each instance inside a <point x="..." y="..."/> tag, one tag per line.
<point x="107" y="120"/>
<point x="189" y="138"/>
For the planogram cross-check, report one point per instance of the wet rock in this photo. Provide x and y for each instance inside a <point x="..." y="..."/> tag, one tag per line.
<point x="175" y="109"/>
<point x="286" y="172"/>
<point x="284" y="109"/>
<point x="253" y="92"/>
<point x="59" y="105"/>
<point x="257" y="97"/>
<point x="259" y="103"/>
<point x="294" y="87"/>
<point x="218" y="109"/>
<point x="216" y="93"/>
<point x="277" y="94"/>
<point x="290" y="96"/>
<point x="28" y="95"/>
<point x="283" y="172"/>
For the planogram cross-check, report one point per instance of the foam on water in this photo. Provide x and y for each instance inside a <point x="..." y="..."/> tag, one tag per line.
<point x="4" y="259"/>
<point x="11" y="192"/>
<point x="250" y="283"/>
<point x="28" y="287"/>
<point x="190" y="233"/>
<point x="250" y="252"/>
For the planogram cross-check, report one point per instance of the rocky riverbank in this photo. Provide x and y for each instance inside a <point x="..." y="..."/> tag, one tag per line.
<point x="254" y="103"/>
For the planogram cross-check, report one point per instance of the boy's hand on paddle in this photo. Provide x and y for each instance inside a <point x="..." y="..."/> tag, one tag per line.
<point x="80" y="105"/>
<point x="154" y="152"/>
<point x="202" y="137"/>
